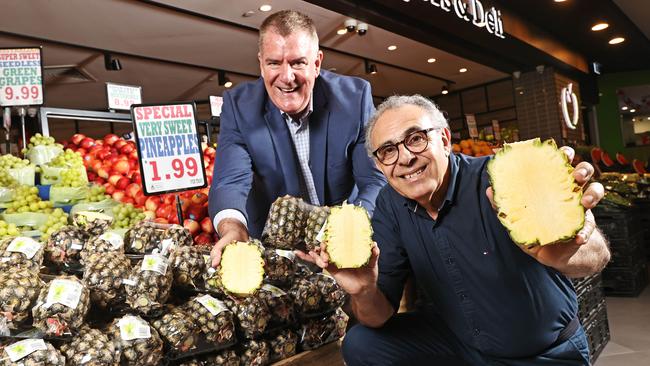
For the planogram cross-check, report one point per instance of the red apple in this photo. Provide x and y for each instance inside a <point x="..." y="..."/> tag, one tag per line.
<point x="136" y="177"/>
<point x="210" y="152"/>
<point x="103" y="172"/>
<point x="87" y="143"/>
<point x="91" y="176"/>
<point x="118" y="144"/>
<point x="127" y="149"/>
<point x="207" y="226"/>
<point x="140" y="199"/>
<point x="114" y="178"/>
<point x="199" y="198"/>
<point x="110" y="189"/>
<point x="110" y="139"/>
<point x="163" y="211"/>
<point x="152" y="203"/>
<point x="160" y="220"/>
<point x="192" y="226"/>
<point x="77" y="138"/>
<point x="196" y="212"/>
<point x="149" y="215"/>
<point x="203" y="239"/>
<point x="126" y="199"/>
<point x="81" y="151"/>
<point x="119" y="196"/>
<point x="169" y="199"/>
<point x="122" y="167"/>
<point x="99" y="180"/>
<point x="123" y="183"/>
<point x="133" y="189"/>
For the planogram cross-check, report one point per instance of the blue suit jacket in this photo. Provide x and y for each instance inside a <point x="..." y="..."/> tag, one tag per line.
<point x="256" y="162"/>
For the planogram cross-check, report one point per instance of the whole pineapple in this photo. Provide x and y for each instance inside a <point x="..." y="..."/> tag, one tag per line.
<point x="176" y="328"/>
<point x="108" y="242"/>
<point x="279" y="303"/>
<point x="21" y="251"/>
<point x="140" y="343"/>
<point x="224" y="358"/>
<point x="285" y="224"/>
<point x="213" y="317"/>
<point x="252" y="313"/>
<point x="306" y="296"/>
<point x="149" y="285"/>
<point x="283" y="345"/>
<point x="94" y="223"/>
<point x="188" y="265"/>
<point x="193" y="362"/>
<point x="61" y="306"/>
<point x="333" y="295"/>
<point x="103" y="276"/>
<point x="44" y="355"/>
<point x="319" y="331"/>
<point x="65" y="245"/>
<point x="143" y="238"/>
<point x="19" y="289"/>
<point x="91" y="347"/>
<point x="255" y="353"/>
<point x="179" y="236"/>
<point x="315" y="221"/>
<point x="279" y="266"/>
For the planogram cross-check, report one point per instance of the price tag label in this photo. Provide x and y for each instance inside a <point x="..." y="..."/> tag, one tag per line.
<point x="215" y="106"/>
<point x="25" y="348"/>
<point x="497" y="130"/>
<point x="213" y="305"/>
<point x="168" y="147"/>
<point x="286" y="253"/>
<point x="275" y="291"/>
<point x="471" y="125"/>
<point x="156" y="263"/>
<point x="28" y="246"/>
<point x="132" y="327"/>
<point x="21" y="76"/>
<point x="122" y="96"/>
<point x="114" y="239"/>
<point x="64" y="292"/>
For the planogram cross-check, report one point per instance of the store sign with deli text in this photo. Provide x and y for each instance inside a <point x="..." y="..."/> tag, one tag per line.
<point x="21" y="76"/>
<point x="473" y="11"/>
<point x="169" y="149"/>
<point x="122" y="96"/>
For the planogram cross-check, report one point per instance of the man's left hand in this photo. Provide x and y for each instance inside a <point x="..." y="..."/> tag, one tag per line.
<point x="551" y="255"/>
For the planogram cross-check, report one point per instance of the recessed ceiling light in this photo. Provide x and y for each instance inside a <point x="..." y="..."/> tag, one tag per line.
<point x="617" y="40"/>
<point x="266" y="7"/>
<point x="624" y="108"/>
<point x="392" y="47"/>
<point x="559" y="1"/>
<point x="648" y="118"/>
<point x="633" y="119"/>
<point x="462" y="70"/>
<point x="228" y="84"/>
<point x="249" y="13"/>
<point x="341" y="32"/>
<point x="599" y="27"/>
<point x="632" y="110"/>
<point x="431" y="60"/>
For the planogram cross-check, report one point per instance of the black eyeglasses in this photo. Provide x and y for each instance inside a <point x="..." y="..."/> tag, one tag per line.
<point x="416" y="142"/>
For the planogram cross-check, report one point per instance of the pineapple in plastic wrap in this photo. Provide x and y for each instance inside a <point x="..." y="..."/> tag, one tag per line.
<point x="61" y="306"/>
<point x="91" y="348"/>
<point x="108" y="242"/>
<point x="279" y="303"/>
<point x="213" y="317"/>
<point x="252" y="313"/>
<point x="19" y="289"/>
<point x="139" y="343"/>
<point x="21" y="251"/>
<point x="188" y="265"/>
<point x="104" y="275"/>
<point x="31" y="352"/>
<point x="316" y="332"/>
<point x="65" y="245"/>
<point x="255" y="353"/>
<point x="224" y="358"/>
<point x="176" y="327"/>
<point x="179" y="236"/>
<point x="306" y="296"/>
<point x="94" y="223"/>
<point x="279" y="266"/>
<point x="285" y="224"/>
<point x="315" y="221"/>
<point x="143" y="238"/>
<point x="149" y="284"/>
<point x="283" y="345"/>
<point x="333" y="295"/>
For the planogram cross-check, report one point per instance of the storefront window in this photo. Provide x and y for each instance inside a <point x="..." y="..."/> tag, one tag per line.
<point x="634" y="105"/>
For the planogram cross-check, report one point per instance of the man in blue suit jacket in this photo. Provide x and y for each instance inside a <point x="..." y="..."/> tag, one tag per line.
<point x="298" y="130"/>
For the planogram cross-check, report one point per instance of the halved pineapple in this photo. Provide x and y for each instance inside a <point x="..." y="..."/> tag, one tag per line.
<point x="242" y="267"/>
<point x="348" y="236"/>
<point x="538" y="200"/>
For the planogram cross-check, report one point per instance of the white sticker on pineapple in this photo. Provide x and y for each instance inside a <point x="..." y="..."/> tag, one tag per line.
<point x="76" y="246"/>
<point x="132" y="328"/>
<point x="273" y="290"/>
<point x="25" y="348"/>
<point x="321" y="233"/>
<point x="128" y="282"/>
<point x="286" y="254"/>
<point x="64" y="292"/>
<point x="114" y="239"/>
<point x="28" y="246"/>
<point x="213" y="305"/>
<point x="154" y="263"/>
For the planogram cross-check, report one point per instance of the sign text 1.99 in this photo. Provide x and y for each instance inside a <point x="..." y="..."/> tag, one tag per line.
<point x="190" y="167"/>
<point x="25" y="92"/>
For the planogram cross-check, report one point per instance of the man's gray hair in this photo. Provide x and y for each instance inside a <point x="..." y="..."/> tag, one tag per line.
<point x="287" y="22"/>
<point x="398" y="101"/>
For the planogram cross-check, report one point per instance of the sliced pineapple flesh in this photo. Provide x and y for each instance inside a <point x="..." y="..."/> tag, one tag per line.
<point x="242" y="268"/>
<point x="348" y="236"/>
<point x="537" y="198"/>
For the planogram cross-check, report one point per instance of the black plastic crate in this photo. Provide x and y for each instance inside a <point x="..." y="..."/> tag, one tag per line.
<point x="627" y="254"/>
<point x="597" y="330"/>
<point x="625" y="282"/>
<point x="590" y="297"/>
<point x="619" y="224"/>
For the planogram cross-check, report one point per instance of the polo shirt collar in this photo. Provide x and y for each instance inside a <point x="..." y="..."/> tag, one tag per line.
<point x="451" y="189"/>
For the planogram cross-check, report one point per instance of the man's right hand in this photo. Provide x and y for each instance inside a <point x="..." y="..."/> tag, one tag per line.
<point x="230" y="230"/>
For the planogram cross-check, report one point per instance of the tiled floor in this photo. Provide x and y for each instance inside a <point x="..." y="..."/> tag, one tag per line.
<point x="629" y="323"/>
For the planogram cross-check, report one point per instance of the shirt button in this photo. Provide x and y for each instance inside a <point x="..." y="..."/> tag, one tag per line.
<point x="463" y="297"/>
<point x="477" y="332"/>
<point x="450" y="261"/>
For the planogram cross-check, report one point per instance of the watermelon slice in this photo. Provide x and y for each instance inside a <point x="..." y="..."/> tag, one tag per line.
<point x="639" y="167"/>
<point x="606" y="163"/>
<point x="596" y="154"/>
<point x="621" y="159"/>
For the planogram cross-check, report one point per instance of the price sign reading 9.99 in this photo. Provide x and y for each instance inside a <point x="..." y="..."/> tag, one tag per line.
<point x="168" y="147"/>
<point x="21" y="77"/>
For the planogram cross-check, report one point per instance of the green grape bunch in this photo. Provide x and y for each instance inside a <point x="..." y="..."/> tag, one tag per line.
<point x="9" y="161"/>
<point x="68" y="159"/>
<point x="55" y="221"/>
<point x="126" y="215"/>
<point x="6" y="180"/>
<point x="8" y="230"/>
<point x="40" y="140"/>
<point x="71" y="178"/>
<point x="97" y="193"/>
<point x="26" y="199"/>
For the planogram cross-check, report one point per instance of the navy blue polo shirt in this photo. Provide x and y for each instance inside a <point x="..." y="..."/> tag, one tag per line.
<point x="494" y="297"/>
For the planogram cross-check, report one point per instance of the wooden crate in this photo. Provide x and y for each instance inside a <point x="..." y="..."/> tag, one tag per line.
<point x="329" y="354"/>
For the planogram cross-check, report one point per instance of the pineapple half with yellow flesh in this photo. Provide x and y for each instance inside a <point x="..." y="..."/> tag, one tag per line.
<point x="242" y="267"/>
<point x="348" y="236"/>
<point x="537" y="198"/>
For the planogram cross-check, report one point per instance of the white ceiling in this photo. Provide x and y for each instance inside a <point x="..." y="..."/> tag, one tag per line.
<point x="174" y="55"/>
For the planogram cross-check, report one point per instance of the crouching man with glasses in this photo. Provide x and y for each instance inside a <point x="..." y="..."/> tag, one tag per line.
<point x="484" y="300"/>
